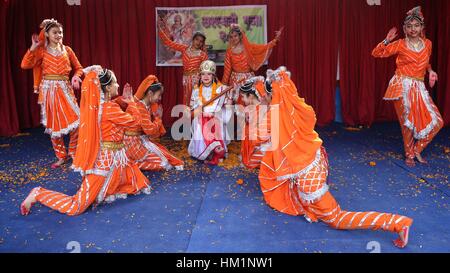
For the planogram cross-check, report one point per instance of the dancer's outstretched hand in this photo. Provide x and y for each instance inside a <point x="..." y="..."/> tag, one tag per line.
<point x="278" y="33"/>
<point x="392" y="34"/>
<point x="35" y="42"/>
<point x="433" y="78"/>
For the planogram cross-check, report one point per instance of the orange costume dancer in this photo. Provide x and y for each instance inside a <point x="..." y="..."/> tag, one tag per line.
<point x="52" y="62"/>
<point x="100" y="157"/>
<point x="243" y="58"/>
<point x="257" y="125"/>
<point x="192" y="56"/>
<point x="419" y="118"/>
<point x="147" y="154"/>
<point x="294" y="170"/>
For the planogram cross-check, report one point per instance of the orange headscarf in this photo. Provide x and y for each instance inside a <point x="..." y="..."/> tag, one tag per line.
<point x="89" y="130"/>
<point x="154" y="107"/>
<point x="295" y="144"/>
<point x="145" y="84"/>
<point x="37" y="70"/>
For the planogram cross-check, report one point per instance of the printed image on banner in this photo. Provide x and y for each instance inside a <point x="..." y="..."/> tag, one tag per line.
<point x="180" y="24"/>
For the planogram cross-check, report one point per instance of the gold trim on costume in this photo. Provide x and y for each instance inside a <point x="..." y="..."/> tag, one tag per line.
<point x="412" y="78"/>
<point x="134" y="133"/>
<point x="56" y="77"/>
<point x="110" y="145"/>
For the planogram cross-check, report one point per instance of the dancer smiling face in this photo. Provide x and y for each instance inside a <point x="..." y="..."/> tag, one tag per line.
<point x="413" y="29"/>
<point x="198" y="41"/>
<point x="207" y="78"/>
<point x="235" y="38"/>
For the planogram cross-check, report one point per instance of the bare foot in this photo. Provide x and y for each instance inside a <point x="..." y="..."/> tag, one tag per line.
<point x="26" y="205"/>
<point x="410" y="162"/>
<point x="420" y="159"/>
<point x="58" y="163"/>
<point x="403" y="237"/>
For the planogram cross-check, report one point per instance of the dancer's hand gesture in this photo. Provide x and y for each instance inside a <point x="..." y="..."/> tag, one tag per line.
<point x="433" y="77"/>
<point x="391" y="34"/>
<point x="278" y="33"/>
<point x="35" y="42"/>
<point x="76" y="81"/>
<point x="159" y="112"/>
<point x="198" y="111"/>
<point x="127" y="93"/>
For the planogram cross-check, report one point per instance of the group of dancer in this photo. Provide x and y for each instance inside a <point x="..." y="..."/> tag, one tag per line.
<point x="112" y="136"/>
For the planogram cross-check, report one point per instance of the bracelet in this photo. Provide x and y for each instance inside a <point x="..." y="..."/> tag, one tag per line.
<point x="385" y="41"/>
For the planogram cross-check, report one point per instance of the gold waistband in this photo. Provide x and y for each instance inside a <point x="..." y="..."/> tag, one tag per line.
<point x="56" y="77"/>
<point x="412" y="78"/>
<point x="191" y="73"/>
<point x="134" y="133"/>
<point x="114" y="146"/>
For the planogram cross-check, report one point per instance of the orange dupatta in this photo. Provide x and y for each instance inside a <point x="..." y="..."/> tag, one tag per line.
<point x="37" y="70"/>
<point x="89" y="129"/>
<point x="257" y="54"/>
<point x="295" y="144"/>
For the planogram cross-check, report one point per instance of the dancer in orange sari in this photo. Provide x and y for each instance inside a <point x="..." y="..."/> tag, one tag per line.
<point x="147" y="154"/>
<point x="257" y="122"/>
<point x="294" y="170"/>
<point x="52" y="62"/>
<point x="100" y="156"/>
<point x="243" y="58"/>
<point x="419" y="118"/>
<point x="192" y="56"/>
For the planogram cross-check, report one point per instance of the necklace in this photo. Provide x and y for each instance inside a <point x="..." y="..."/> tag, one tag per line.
<point x="54" y="50"/>
<point x="237" y="49"/>
<point x="194" y="52"/>
<point x="416" y="46"/>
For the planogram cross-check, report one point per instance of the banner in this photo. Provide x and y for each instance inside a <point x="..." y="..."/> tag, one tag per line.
<point x="214" y="22"/>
